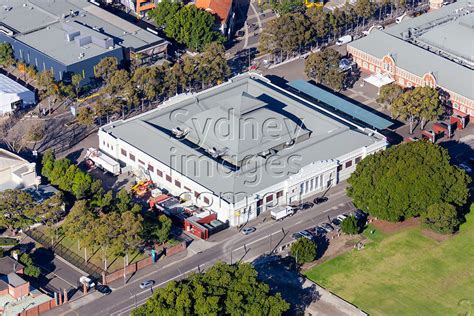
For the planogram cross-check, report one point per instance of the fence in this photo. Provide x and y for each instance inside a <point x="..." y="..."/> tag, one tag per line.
<point x="66" y="254"/>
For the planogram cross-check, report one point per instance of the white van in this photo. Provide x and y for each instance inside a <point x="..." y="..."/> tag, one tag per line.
<point x="400" y="18"/>
<point x="344" y="40"/>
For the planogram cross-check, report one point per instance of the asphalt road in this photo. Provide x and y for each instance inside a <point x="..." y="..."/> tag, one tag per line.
<point x="268" y="236"/>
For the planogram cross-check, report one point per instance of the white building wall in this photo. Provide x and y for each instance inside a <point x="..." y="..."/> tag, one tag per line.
<point x="313" y="178"/>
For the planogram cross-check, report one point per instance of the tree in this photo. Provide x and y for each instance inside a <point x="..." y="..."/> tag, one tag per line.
<point x="323" y="67"/>
<point x="212" y="64"/>
<point x="441" y="217"/>
<point x="124" y="200"/>
<point x="85" y="116"/>
<point x="388" y="94"/>
<point x="164" y="12"/>
<point x="48" y="163"/>
<point x="402" y="181"/>
<point x="158" y="231"/>
<point x="419" y="103"/>
<point x="30" y="269"/>
<point x="222" y="290"/>
<point x="288" y="6"/>
<point x="189" y="25"/>
<point x="365" y="9"/>
<point x="430" y="103"/>
<point x="350" y="225"/>
<point x="131" y="228"/>
<point x="106" y="68"/>
<point x="16" y="209"/>
<point x="6" y="55"/>
<point x="48" y="88"/>
<point x="76" y="80"/>
<point x="286" y="34"/>
<point x="303" y="250"/>
<point x="319" y="21"/>
<point x="78" y="225"/>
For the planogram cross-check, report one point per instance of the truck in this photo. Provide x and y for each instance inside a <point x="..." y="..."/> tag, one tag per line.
<point x="279" y="213"/>
<point x="94" y="157"/>
<point x="344" y="40"/>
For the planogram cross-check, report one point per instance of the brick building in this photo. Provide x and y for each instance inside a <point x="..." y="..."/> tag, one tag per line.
<point x="434" y="49"/>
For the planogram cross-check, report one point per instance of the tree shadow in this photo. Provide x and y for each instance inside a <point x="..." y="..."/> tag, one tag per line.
<point x="74" y="156"/>
<point x="282" y="275"/>
<point x="322" y="244"/>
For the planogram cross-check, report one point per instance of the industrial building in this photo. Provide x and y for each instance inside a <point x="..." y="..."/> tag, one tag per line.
<point x="242" y="147"/>
<point x="72" y="36"/>
<point x="434" y="49"/>
<point x="14" y="96"/>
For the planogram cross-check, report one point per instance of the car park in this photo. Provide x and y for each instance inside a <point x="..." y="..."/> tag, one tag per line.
<point x="103" y="289"/>
<point x="327" y="227"/>
<point x="297" y="236"/>
<point x="320" y="200"/>
<point x="306" y="234"/>
<point x="146" y="284"/>
<point x="248" y="230"/>
<point x="336" y="221"/>
<point x="341" y="217"/>
<point x="358" y="214"/>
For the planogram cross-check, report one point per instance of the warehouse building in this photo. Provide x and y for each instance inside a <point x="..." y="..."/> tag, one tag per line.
<point x="72" y="36"/>
<point x="435" y="49"/>
<point x="14" y="96"/>
<point x="241" y="147"/>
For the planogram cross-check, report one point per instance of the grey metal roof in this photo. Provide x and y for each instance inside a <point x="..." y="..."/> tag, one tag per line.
<point x="341" y="104"/>
<point x="447" y="32"/>
<point x="8" y="85"/>
<point x="42" y="25"/>
<point x="329" y="137"/>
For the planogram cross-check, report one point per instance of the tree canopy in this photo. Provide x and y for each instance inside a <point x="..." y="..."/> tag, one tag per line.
<point x="441" y="217"/>
<point x="303" y="250"/>
<point x="323" y="67"/>
<point x="420" y="103"/>
<point x="187" y="25"/>
<point x="350" y="225"/>
<point x="404" y="180"/>
<point x="6" y="54"/>
<point x="222" y="290"/>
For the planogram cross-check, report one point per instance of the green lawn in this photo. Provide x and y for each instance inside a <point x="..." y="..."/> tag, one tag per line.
<point x="406" y="274"/>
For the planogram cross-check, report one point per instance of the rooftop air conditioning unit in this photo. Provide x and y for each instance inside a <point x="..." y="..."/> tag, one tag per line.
<point x="179" y="132"/>
<point x="216" y="153"/>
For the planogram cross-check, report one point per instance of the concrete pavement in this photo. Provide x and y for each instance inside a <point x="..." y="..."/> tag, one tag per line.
<point x="268" y="237"/>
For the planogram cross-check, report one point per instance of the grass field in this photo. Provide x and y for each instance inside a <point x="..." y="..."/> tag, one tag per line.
<point x="406" y="273"/>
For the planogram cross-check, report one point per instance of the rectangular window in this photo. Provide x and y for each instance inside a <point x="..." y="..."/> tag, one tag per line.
<point x="279" y="194"/>
<point x="358" y="159"/>
<point x="159" y="173"/>
<point x="339" y="168"/>
<point x="187" y="189"/>
<point x="132" y="157"/>
<point x="196" y="195"/>
<point x="348" y="164"/>
<point x="269" y="198"/>
<point x="150" y="168"/>
<point x="123" y="152"/>
<point x="168" y="178"/>
<point x="141" y="162"/>
<point x="177" y="183"/>
<point x="206" y="200"/>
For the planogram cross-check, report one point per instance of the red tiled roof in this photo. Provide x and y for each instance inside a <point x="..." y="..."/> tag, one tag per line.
<point x="219" y="7"/>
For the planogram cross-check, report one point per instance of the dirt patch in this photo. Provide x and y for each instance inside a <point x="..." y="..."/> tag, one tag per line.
<point x="435" y="236"/>
<point x="389" y="227"/>
<point x="338" y="244"/>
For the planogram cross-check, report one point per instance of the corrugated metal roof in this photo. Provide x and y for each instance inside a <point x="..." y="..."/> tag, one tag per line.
<point x="341" y="104"/>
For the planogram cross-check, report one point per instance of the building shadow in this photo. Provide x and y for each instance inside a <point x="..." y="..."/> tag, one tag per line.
<point x="282" y="275"/>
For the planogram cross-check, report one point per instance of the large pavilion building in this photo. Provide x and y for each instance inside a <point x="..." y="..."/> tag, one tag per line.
<point x="241" y="148"/>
